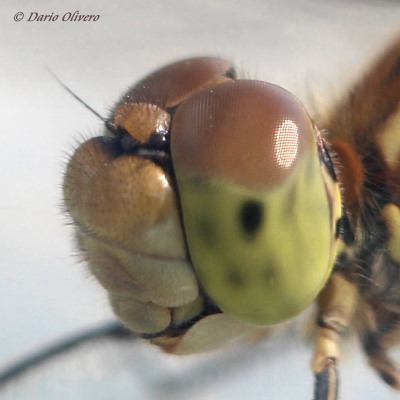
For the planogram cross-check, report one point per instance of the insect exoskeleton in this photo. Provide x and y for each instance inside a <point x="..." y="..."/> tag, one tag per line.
<point x="119" y="192"/>
<point x="212" y="210"/>
<point x="234" y="171"/>
<point x="259" y="211"/>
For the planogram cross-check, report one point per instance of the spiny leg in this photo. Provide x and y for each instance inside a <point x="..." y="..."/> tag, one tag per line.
<point x="336" y="305"/>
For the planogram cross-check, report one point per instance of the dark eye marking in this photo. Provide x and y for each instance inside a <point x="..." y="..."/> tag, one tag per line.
<point x="251" y="216"/>
<point x="206" y="230"/>
<point x="268" y="276"/>
<point x="235" y="277"/>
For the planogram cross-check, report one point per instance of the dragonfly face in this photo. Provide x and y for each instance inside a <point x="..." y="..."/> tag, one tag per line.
<point x="259" y="202"/>
<point x="212" y="210"/>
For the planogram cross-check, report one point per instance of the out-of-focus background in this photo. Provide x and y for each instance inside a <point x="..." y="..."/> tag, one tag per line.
<point x="312" y="48"/>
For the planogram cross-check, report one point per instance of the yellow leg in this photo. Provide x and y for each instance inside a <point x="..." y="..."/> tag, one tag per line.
<point x="336" y="305"/>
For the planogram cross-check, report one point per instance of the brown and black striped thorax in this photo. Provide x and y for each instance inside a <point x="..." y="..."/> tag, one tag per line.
<point x="364" y="132"/>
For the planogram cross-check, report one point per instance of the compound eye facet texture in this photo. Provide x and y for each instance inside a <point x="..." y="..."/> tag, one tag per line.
<point x="170" y="85"/>
<point x="245" y="132"/>
<point x="254" y="202"/>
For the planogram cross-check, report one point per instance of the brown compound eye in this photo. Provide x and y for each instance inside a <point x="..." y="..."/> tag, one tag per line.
<point x="141" y="121"/>
<point x="143" y="110"/>
<point x="170" y="85"/>
<point x="245" y="132"/>
<point x="255" y="206"/>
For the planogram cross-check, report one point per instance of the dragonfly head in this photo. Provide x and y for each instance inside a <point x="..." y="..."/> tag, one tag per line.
<point x="260" y="206"/>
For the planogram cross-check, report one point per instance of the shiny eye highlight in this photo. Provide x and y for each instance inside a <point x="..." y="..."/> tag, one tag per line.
<point x="285" y="143"/>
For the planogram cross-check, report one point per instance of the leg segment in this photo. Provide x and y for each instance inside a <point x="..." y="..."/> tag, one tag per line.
<point x="326" y="382"/>
<point x="336" y="305"/>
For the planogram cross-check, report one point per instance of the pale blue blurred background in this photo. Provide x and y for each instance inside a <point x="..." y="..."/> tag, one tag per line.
<point x="312" y="48"/>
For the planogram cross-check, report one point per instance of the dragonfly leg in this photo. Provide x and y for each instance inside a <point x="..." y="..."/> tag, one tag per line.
<point x="336" y="305"/>
<point x="376" y="350"/>
<point x="326" y="382"/>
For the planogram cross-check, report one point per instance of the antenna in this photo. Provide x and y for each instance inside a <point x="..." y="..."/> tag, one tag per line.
<point x="107" y="123"/>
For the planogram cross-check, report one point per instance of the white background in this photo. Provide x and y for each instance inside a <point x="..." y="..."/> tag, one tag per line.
<point x="312" y="48"/>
